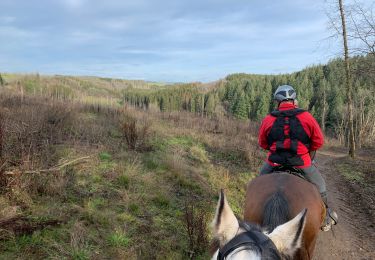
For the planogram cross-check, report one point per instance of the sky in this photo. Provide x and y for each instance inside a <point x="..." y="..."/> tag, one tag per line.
<point x="163" y="40"/>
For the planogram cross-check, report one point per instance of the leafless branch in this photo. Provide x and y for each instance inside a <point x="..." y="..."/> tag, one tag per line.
<point x="61" y="166"/>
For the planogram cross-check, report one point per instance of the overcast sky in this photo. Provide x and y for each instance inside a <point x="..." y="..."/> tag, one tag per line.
<point x="162" y="40"/>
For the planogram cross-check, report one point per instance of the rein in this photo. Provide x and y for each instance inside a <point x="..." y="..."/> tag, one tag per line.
<point x="248" y="240"/>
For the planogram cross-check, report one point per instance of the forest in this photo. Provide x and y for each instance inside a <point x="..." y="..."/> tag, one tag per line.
<point x="320" y="89"/>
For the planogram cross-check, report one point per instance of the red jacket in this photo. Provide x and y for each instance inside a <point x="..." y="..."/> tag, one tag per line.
<point x="309" y="124"/>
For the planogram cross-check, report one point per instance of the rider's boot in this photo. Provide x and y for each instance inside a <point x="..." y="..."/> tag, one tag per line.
<point x="331" y="216"/>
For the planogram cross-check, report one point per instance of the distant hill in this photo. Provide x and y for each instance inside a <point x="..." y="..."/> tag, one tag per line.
<point x="243" y="96"/>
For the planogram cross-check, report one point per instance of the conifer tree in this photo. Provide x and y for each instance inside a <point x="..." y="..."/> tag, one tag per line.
<point x="240" y="110"/>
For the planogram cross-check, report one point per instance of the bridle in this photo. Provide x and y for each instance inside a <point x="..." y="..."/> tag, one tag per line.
<point x="249" y="239"/>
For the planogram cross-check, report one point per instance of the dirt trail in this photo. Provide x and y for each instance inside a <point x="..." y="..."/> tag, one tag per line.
<point x="354" y="236"/>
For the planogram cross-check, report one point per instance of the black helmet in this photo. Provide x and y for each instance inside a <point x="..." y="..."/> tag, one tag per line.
<point x="284" y="92"/>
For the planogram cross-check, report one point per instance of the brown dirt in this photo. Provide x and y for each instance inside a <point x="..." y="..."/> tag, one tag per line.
<point x="354" y="236"/>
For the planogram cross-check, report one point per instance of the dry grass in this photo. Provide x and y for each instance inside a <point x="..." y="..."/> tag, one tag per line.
<point x="127" y="200"/>
<point x="116" y="186"/>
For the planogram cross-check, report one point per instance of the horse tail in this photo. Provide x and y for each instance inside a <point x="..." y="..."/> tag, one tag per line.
<point x="276" y="211"/>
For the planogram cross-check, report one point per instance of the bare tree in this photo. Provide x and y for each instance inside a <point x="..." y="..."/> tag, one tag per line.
<point x="362" y="37"/>
<point x="324" y="105"/>
<point x="362" y="28"/>
<point x="348" y="80"/>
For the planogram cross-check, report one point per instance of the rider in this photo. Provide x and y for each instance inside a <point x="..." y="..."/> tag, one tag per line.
<point x="292" y="136"/>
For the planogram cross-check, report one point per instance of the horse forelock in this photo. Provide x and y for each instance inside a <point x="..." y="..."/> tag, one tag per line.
<point x="276" y="211"/>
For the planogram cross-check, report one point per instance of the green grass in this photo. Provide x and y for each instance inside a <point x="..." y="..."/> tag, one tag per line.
<point x="118" y="239"/>
<point x="134" y="208"/>
<point x="350" y="173"/>
<point x="183" y="141"/>
<point x="198" y="154"/>
<point x="105" y="157"/>
<point x="95" y="204"/>
<point x="123" y="181"/>
<point x="161" y="201"/>
<point x="80" y="254"/>
<point x="151" y="161"/>
<point x="231" y="157"/>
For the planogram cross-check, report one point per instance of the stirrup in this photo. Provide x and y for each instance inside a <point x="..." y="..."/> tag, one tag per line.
<point x="333" y="215"/>
<point x="330" y="219"/>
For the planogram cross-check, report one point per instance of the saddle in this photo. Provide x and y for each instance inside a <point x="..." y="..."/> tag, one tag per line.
<point x="289" y="169"/>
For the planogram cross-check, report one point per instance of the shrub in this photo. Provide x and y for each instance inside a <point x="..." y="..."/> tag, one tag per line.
<point x="30" y="130"/>
<point x="195" y="220"/>
<point x="135" y="134"/>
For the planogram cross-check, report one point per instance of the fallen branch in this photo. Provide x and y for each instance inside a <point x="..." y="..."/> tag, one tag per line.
<point x="2" y="167"/>
<point x="59" y="167"/>
<point x="21" y="225"/>
<point x="6" y="221"/>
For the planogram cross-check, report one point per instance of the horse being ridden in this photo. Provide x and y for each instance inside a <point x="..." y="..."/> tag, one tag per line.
<point x="283" y="215"/>
<point x="236" y="240"/>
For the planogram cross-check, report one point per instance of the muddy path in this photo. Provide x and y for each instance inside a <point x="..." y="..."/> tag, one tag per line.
<point x="354" y="236"/>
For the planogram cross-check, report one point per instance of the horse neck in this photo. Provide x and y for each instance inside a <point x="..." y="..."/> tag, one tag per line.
<point x="276" y="211"/>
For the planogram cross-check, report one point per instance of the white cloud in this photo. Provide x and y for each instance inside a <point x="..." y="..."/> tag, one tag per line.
<point x="160" y="39"/>
<point x="14" y="33"/>
<point x="74" y="3"/>
<point x="116" y="24"/>
<point x="83" y="37"/>
<point x="7" y="19"/>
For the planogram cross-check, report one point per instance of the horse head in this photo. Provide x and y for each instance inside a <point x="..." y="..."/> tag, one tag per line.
<point x="240" y="240"/>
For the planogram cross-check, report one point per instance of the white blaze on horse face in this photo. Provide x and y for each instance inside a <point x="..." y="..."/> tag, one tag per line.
<point x="225" y="224"/>
<point x="240" y="255"/>
<point x="243" y="255"/>
<point x="287" y="237"/>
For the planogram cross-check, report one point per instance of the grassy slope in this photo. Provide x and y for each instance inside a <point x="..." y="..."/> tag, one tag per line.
<point x="121" y="203"/>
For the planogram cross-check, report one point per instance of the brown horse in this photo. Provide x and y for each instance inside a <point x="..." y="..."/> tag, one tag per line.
<point x="274" y="199"/>
<point x="275" y="203"/>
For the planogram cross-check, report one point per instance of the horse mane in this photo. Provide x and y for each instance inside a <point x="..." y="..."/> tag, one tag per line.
<point x="276" y="211"/>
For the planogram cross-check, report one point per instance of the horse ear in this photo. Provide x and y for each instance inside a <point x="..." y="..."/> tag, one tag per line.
<point x="225" y="224"/>
<point x="288" y="236"/>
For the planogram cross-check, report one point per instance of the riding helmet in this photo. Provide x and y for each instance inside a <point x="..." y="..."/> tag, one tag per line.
<point x="284" y="92"/>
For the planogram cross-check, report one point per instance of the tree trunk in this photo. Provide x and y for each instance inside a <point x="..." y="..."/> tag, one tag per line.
<point x="324" y="109"/>
<point x="348" y="83"/>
